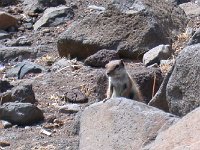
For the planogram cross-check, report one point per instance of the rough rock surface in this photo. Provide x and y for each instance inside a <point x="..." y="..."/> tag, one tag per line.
<point x="129" y="32"/>
<point x="4" y="86"/>
<point x="36" y="6"/>
<point x="54" y="16"/>
<point x="183" y="86"/>
<point x="101" y="58"/>
<point x="121" y="124"/>
<point x="16" y="53"/>
<point x="145" y="79"/>
<point x="184" y="135"/>
<point x="23" y="68"/>
<point x="23" y="93"/>
<point x="157" y="54"/>
<point x="20" y="113"/>
<point x="7" y="20"/>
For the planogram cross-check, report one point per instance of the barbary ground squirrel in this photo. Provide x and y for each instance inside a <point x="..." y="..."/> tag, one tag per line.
<point x="120" y="83"/>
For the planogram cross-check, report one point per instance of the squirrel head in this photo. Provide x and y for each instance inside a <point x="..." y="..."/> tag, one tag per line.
<point x="115" y="68"/>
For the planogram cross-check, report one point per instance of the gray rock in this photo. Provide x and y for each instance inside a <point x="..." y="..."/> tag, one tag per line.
<point x="63" y="62"/>
<point x="119" y="28"/>
<point x="6" y="124"/>
<point x="195" y="39"/>
<point x="75" y="95"/>
<point x="183" y="135"/>
<point x="4" y="34"/>
<point x="158" y="53"/>
<point x="191" y="9"/>
<point x="16" y="53"/>
<point x="7" y="21"/>
<point x="101" y="58"/>
<point x="54" y="16"/>
<point x="23" y="68"/>
<point x="21" y="41"/>
<point x="20" y="113"/>
<point x="69" y="108"/>
<point x="37" y="6"/>
<point x="23" y="93"/>
<point x="121" y="124"/>
<point x="28" y="25"/>
<point x="183" y="85"/>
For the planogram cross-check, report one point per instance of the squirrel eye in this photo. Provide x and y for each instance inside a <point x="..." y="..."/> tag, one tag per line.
<point x="117" y="66"/>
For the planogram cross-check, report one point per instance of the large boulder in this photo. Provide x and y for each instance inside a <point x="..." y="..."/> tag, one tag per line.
<point x="130" y="27"/>
<point x="20" y="113"/>
<point x="182" y="91"/>
<point x="7" y="20"/>
<point x="184" y="135"/>
<point x="121" y="124"/>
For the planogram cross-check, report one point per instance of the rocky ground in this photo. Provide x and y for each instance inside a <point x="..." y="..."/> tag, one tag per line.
<point x="52" y="58"/>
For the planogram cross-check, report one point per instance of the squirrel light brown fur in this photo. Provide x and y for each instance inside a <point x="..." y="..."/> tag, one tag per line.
<point x="120" y="83"/>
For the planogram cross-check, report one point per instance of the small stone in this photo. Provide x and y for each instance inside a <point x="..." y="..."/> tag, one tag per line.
<point x="75" y="96"/>
<point x="28" y="25"/>
<point x="4" y="144"/>
<point x="6" y="124"/>
<point x="69" y="108"/>
<point x="4" y="34"/>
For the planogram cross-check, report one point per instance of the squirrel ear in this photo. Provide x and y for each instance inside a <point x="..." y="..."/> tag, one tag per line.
<point x="122" y="62"/>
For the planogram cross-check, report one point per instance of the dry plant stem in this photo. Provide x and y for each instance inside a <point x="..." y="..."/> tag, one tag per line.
<point x="154" y="84"/>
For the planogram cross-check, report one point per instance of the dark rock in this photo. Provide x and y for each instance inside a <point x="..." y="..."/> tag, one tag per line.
<point x="20" y="113"/>
<point x="158" y="53"/>
<point x="4" y="86"/>
<point x="21" y="41"/>
<point x="23" y="93"/>
<point x="23" y="68"/>
<point x="52" y="3"/>
<point x="7" y="21"/>
<point x="54" y="16"/>
<point x="7" y="2"/>
<point x="75" y="96"/>
<point x="195" y="38"/>
<point x="16" y="53"/>
<point x="38" y="6"/>
<point x="101" y="58"/>
<point x="130" y="30"/>
<point x="178" y="2"/>
<point x="145" y="79"/>
<point x="183" y="86"/>
<point x="6" y="97"/>
<point x="4" y="34"/>
<point x="121" y="124"/>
